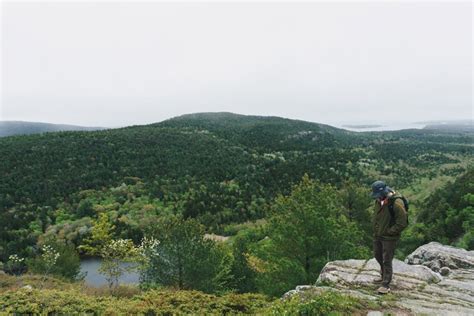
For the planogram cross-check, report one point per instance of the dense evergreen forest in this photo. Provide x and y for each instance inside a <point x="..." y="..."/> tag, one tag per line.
<point x="251" y="178"/>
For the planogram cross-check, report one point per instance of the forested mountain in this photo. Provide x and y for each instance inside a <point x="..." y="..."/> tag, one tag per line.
<point x="259" y="132"/>
<point x="10" y="128"/>
<point x="219" y="168"/>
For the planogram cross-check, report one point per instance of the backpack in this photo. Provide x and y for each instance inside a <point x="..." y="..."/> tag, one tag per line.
<point x="392" y="212"/>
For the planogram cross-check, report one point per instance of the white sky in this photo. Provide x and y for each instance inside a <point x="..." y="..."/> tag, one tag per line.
<point x="122" y="63"/>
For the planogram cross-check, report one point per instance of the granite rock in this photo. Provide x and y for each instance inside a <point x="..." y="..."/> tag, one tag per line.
<point x="436" y="256"/>
<point x="417" y="287"/>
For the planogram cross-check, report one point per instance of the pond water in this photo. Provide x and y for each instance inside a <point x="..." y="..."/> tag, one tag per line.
<point x="90" y="267"/>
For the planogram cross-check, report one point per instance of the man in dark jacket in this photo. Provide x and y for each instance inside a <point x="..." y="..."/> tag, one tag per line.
<point x="387" y="230"/>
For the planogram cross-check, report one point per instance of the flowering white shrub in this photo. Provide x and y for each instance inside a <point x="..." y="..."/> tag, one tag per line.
<point x="148" y="248"/>
<point x="121" y="255"/>
<point x="15" y="259"/>
<point x="114" y="255"/>
<point x="15" y="264"/>
<point x="50" y="255"/>
<point x="148" y="244"/>
<point x="122" y="249"/>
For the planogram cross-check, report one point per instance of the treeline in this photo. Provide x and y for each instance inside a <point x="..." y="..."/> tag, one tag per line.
<point x="448" y="214"/>
<point x="221" y="170"/>
<point x="302" y="231"/>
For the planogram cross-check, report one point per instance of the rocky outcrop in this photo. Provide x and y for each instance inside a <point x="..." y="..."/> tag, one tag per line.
<point x="434" y="280"/>
<point x="363" y="273"/>
<point x="437" y="256"/>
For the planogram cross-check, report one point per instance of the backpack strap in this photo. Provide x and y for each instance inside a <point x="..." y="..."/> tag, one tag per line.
<point x="391" y="203"/>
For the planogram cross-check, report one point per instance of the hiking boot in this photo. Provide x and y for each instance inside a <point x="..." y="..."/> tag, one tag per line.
<point x="383" y="290"/>
<point x="378" y="280"/>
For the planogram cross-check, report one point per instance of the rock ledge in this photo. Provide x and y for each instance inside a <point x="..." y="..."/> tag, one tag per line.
<point x="434" y="280"/>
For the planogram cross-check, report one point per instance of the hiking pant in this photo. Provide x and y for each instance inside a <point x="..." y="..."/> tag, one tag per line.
<point x="383" y="253"/>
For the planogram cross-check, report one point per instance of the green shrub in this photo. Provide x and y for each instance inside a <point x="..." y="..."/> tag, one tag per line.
<point x="323" y="304"/>
<point x="467" y="240"/>
<point x="152" y="302"/>
<point x="67" y="265"/>
<point x="9" y="282"/>
<point x="121" y="291"/>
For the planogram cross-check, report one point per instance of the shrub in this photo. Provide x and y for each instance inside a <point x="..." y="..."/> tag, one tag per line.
<point x="321" y="304"/>
<point x="152" y="303"/>
<point x="67" y="263"/>
<point x="122" y="290"/>
<point x="114" y="255"/>
<point x="15" y="265"/>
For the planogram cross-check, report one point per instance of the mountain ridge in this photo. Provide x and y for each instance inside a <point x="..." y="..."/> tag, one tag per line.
<point x="219" y="120"/>
<point x="14" y="128"/>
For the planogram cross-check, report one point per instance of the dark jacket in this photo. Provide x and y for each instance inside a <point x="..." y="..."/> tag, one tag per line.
<point x="384" y="227"/>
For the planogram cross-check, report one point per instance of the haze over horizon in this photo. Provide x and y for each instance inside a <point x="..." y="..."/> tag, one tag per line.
<point x="349" y="125"/>
<point x="330" y="63"/>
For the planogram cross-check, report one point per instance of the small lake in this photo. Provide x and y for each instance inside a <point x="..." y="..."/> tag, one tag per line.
<point x="94" y="278"/>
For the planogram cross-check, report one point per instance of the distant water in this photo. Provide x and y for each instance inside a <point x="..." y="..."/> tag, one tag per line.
<point x="93" y="277"/>
<point x="379" y="127"/>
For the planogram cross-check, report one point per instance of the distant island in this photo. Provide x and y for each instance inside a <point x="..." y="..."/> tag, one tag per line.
<point x="11" y="128"/>
<point x="453" y="126"/>
<point x="362" y="126"/>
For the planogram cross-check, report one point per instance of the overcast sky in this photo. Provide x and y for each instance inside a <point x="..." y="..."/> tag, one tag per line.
<point x="115" y="64"/>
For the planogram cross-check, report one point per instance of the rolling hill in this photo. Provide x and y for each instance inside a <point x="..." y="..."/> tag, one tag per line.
<point x="10" y="128"/>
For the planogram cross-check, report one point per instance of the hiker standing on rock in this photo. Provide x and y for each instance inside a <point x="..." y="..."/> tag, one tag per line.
<point x="390" y="218"/>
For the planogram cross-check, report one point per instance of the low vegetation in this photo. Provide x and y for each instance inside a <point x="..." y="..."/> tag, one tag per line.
<point x="58" y="297"/>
